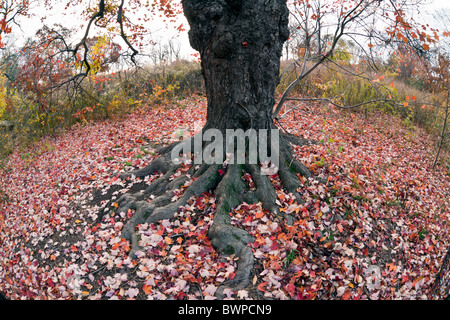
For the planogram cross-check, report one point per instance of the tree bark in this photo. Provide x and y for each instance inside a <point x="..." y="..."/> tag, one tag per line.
<point x="240" y="44"/>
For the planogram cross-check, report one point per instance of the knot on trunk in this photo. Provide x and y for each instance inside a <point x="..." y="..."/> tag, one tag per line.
<point x="222" y="44"/>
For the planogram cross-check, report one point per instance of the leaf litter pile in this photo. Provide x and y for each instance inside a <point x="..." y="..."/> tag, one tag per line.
<point x="378" y="228"/>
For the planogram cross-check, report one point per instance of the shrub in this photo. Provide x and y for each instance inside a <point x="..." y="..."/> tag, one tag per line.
<point x="414" y="106"/>
<point x="99" y="96"/>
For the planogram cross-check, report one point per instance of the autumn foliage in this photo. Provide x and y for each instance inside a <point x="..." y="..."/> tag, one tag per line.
<point x="81" y="115"/>
<point x="382" y="206"/>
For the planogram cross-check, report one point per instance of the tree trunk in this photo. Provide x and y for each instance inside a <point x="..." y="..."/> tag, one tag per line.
<point x="240" y="44"/>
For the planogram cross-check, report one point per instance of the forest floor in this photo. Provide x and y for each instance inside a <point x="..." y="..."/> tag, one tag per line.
<point x="377" y="229"/>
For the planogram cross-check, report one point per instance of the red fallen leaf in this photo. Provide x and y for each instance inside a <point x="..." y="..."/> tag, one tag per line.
<point x="244" y="44"/>
<point x="73" y="248"/>
<point x="200" y="203"/>
<point x="291" y="289"/>
<point x="347" y="295"/>
<point x="50" y="283"/>
<point x="259" y="215"/>
<point x="191" y="278"/>
<point x="129" y="213"/>
<point x="262" y="285"/>
<point x="125" y="245"/>
<point x="275" y="265"/>
<point x="274" y="245"/>
<point x="180" y="295"/>
<point x="147" y="289"/>
<point x="161" y="231"/>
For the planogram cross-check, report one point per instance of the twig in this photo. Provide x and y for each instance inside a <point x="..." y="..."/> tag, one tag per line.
<point x="276" y="119"/>
<point x="249" y="115"/>
<point x="200" y="290"/>
<point x="339" y="32"/>
<point x="444" y="127"/>
<point x="345" y="107"/>
<point x="122" y="33"/>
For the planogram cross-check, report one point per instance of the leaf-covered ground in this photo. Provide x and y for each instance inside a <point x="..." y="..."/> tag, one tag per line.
<point x="378" y="229"/>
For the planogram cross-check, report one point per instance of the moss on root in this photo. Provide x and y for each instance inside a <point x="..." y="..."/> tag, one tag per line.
<point x="230" y="191"/>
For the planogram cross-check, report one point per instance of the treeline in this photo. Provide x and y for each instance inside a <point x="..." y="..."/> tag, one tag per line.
<point x="42" y="93"/>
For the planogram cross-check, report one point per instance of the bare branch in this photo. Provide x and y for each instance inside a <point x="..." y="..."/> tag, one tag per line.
<point x="339" y="32"/>
<point x="444" y="128"/>
<point x="330" y="101"/>
<point x="122" y="33"/>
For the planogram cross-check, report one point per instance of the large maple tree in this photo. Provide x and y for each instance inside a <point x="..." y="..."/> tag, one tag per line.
<point x="240" y="44"/>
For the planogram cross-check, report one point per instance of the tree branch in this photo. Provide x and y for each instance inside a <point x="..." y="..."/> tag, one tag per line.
<point x="444" y="128"/>
<point x="393" y="102"/>
<point x="339" y="32"/>
<point x="122" y="33"/>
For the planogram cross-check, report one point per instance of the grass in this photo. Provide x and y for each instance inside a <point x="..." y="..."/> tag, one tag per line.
<point x="414" y="105"/>
<point x="290" y="257"/>
<point x="98" y="98"/>
<point x="114" y="95"/>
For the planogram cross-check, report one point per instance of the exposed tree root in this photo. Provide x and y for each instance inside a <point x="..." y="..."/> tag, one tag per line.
<point x="162" y="207"/>
<point x="228" y="239"/>
<point x="296" y="140"/>
<point x="230" y="191"/>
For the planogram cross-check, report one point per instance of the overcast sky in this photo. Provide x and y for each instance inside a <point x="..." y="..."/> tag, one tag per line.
<point x="29" y="26"/>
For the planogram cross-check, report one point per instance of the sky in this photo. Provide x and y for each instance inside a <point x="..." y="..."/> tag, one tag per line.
<point x="441" y="4"/>
<point x="160" y="33"/>
<point x="29" y="26"/>
<point x="437" y="5"/>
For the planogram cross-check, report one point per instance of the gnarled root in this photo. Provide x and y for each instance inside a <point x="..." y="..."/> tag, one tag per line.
<point x="228" y="239"/>
<point x="162" y="207"/>
<point x="230" y="191"/>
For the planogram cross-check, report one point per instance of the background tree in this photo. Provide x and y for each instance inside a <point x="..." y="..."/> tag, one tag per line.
<point x="10" y="10"/>
<point x="326" y="27"/>
<point x="104" y="53"/>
